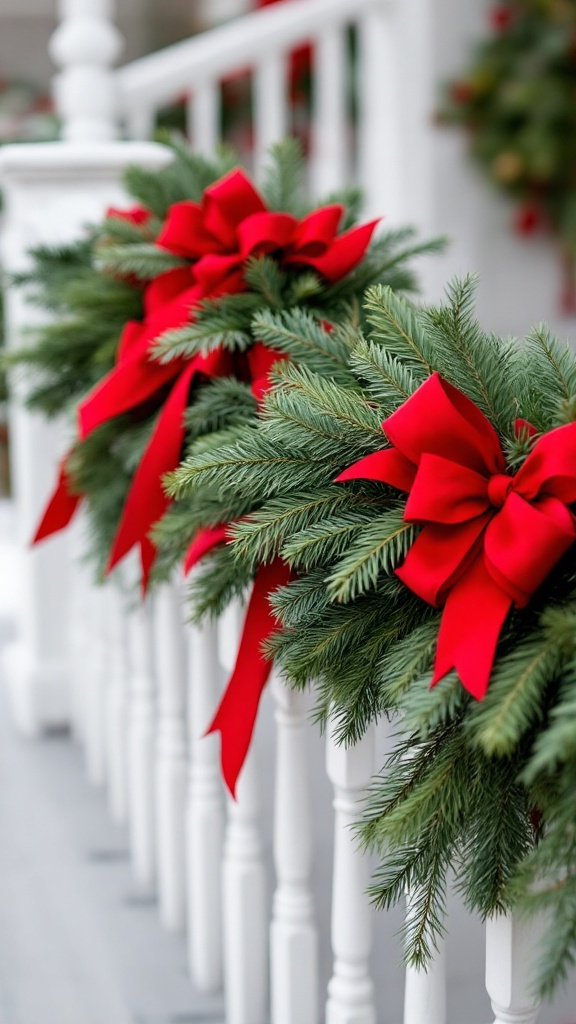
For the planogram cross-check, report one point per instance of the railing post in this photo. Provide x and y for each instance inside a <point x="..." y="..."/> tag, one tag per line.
<point x="205" y="817"/>
<point x="350" y="990"/>
<point x="171" y="755"/>
<point x="293" y="937"/>
<point x="243" y="877"/>
<point x="141" y="743"/>
<point x="511" y="944"/>
<point x="117" y="699"/>
<point x="85" y="46"/>
<point x="425" y="990"/>
<point x="51" y="192"/>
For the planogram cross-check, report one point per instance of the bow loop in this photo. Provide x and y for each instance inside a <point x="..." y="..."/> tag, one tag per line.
<point x="439" y="420"/>
<point x="489" y="540"/>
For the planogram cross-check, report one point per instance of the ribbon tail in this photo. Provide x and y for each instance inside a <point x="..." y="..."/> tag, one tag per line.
<point x="474" y="614"/>
<point x="204" y="541"/>
<point x="61" y="507"/>
<point x="236" y="716"/>
<point x="147" y="502"/>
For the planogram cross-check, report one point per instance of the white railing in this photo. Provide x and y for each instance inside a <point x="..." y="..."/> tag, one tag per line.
<point x="144" y="688"/>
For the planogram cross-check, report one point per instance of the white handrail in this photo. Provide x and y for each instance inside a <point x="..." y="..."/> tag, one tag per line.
<point x="158" y="78"/>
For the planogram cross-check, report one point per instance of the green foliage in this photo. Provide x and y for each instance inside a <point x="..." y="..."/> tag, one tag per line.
<point x="459" y="791"/>
<point x="515" y="98"/>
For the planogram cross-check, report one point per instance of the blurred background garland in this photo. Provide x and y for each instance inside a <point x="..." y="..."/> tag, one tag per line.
<point x="517" y="100"/>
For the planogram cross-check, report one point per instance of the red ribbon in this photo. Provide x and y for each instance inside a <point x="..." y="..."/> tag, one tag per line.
<point x="62" y="506"/>
<point x="489" y="539"/>
<point x="218" y="236"/>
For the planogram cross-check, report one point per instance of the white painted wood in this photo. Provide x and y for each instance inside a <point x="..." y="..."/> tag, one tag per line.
<point x="330" y="130"/>
<point x="293" y="936"/>
<point x="171" y="755"/>
<point x="350" y="990"/>
<point x="117" y="698"/>
<point x="140" y="124"/>
<point x="160" y="77"/>
<point x="270" y="104"/>
<point x="511" y="945"/>
<point x="425" y="992"/>
<point x="84" y="46"/>
<point x="141" y="745"/>
<point x="245" y="928"/>
<point x="81" y="586"/>
<point x="203" y="117"/>
<point x="381" y="114"/>
<point x="244" y="906"/>
<point x="50" y="192"/>
<point x="96" y="681"/>
<point x="205" y="814"/>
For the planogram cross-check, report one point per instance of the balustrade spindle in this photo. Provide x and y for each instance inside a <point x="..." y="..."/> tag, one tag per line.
<point x="380" y="146"/>
<point x="350" y="990"/>
<point x="96" y="680"/>
<point x="140" y="123"/>
<point x="81" y="586"/>
<point x="84" y="46"/>
<point x="243" y="874"/>
<point x="205" y="813"/>
<point x="203" y="117"/>
<point x="171" y="755"/>
<point x="270" y="105"/>
<point x="511" y="943"/>
<point x="244" y="902"/>
<point x="293" y="937"/>
<point x="425" y="991"/>
<point x="330" y="138"/>
<point x="141" y="736"/>
<point x="117" y="699"/>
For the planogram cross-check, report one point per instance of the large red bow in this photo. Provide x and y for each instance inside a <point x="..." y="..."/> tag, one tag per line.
<point x="489" y="539"/>
<point x="218" y="236"/>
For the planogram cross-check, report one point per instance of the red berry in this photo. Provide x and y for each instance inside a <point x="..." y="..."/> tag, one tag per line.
<point x="501" y="18"/>
<point x="527" y="219"/>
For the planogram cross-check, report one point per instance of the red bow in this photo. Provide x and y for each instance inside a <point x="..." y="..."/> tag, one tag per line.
<point x="488" y="539"/>
<point x="218" y="235"/>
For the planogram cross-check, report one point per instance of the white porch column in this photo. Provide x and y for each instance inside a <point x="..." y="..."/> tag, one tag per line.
<point x="51" y="191"/>
<point x="85" y="46"/>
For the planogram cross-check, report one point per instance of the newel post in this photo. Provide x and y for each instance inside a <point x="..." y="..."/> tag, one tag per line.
<point x="51" y="191"/>
<point x="85" y="46"/>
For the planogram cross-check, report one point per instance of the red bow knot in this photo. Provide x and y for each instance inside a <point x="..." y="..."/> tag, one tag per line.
<point x="488" y="539"/>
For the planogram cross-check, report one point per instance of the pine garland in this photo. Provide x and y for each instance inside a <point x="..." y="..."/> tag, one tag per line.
<point x="94" y="287"/>
<point x="461" y="788"/>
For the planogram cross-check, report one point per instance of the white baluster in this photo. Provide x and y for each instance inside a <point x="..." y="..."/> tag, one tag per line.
<point x="81" y="585"/>
<point x="381" y="155"/>
<point x="84" y="46"/>
<point x="425" y="991"/>
<point x="270" y="105"/>
<point x="203" y="117"/>
<point x="243" y="876"/>
<point x="330" y="139"/>
<point x="350" y="990"/>
<point x="117" y="699"/>
<point x="293" y="937"/>
<point x="141" y="735"/>
<point x="244" y="902"/>
<point x="511" y="944"/>
<point x="205" y="813"/>
<point x="171" y="752"/>
<point x="96" y="679"/>
<point x="140" y="123"/>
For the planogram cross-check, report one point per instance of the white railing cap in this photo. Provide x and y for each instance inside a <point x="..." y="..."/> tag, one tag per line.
<point x="159" y="77"/>
<point x="49" y="160"/>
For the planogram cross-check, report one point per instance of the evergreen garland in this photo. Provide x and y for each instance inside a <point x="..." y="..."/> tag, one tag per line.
<point x="94" y="287"/>
<point x="485" y="788"/>
<point x="516" y="100"/>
